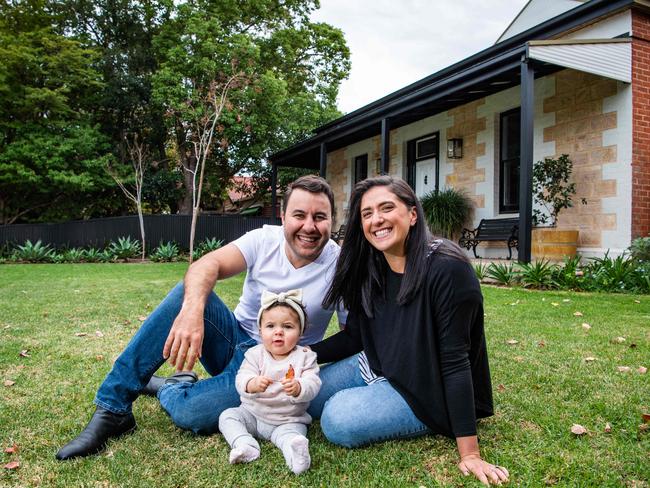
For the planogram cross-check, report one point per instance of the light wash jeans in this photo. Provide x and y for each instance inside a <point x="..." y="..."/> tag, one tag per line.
<point x="194" y="407"/>
<point x="354" y="414"/>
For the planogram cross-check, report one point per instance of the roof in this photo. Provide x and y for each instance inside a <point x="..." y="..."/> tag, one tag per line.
<point x="489" y="71"/>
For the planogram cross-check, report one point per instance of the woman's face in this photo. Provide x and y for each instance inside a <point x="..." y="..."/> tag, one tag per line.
<point x="386" y="220"/>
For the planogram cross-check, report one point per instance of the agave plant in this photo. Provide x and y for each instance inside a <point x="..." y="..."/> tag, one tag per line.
<point x="73" y="255"/>
<point x="33" y="253"/>
<point x="538" y="274"/>
<point x="206" y="246"/>
<point x="612" y="274"/>
<point x="569" y="274"/>
<point x="446" y="211"/>
<point x="503" y="274"/>
<point x="165" y="252"/>
<point x="481" y="271"/>
<point x="124" y="248"/>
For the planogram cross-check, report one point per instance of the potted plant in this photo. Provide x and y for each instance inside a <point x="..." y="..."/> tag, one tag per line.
<point x="552" y="193"/>
<point x="446" y="211"/>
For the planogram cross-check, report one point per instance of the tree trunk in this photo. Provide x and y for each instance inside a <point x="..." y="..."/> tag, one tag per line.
<point x="141" y="219"/>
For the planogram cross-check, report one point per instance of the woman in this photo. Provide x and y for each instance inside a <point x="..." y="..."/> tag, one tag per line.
<point x="416" y="311"/>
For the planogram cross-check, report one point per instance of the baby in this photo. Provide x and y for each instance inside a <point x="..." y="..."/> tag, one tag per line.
<point x="276" y="382"/>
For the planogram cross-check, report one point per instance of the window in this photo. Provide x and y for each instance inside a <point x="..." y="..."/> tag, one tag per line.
<point x="426" y="148"/>
<point x="509" y="161"/>
<point x="360" y="168"/>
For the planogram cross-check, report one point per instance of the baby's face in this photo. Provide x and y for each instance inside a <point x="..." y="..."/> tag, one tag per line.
<point x="280" y="331"/>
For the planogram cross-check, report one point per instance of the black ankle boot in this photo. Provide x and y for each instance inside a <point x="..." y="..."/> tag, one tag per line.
<point x="156" y="382"/>
<point x="103" y="425"/>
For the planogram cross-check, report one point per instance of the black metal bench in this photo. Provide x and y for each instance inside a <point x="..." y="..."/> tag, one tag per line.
<point x="492" y="230"/>
<point x="339" y="235"/>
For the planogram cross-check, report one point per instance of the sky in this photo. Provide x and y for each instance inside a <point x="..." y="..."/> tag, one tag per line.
<point x="396" y="42"/>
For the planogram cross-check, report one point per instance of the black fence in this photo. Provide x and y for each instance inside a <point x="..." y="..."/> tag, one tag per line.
<point x="158" y="228"/>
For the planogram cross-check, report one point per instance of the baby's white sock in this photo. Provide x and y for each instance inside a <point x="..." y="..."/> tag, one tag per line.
<point x="243" y="453"/>
<point x="297" y="454"/>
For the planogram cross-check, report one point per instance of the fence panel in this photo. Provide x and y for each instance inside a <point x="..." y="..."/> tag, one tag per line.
<point x="158" y="228"/>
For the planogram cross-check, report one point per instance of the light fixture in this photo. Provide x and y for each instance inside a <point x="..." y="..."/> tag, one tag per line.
<point x="455" y="148"/>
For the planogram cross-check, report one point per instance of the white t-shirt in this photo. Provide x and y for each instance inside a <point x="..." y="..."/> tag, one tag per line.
<point x="268" y="268"/>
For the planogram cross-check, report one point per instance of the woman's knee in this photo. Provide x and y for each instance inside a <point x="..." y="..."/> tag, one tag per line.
<point x="341" y="423"/>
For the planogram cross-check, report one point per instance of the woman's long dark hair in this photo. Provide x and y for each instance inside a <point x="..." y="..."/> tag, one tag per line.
<point x="361" y="269"/>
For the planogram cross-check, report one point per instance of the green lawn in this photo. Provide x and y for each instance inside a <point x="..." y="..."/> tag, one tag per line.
<point x="542" y="385"/>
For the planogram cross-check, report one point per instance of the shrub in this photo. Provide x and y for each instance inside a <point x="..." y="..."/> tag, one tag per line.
<point x="72" y="255"/>
<point x="538" y="274"/>
<point x="503" y="274"/>
<point x="124" y="248"/>
<point x="481" y="271"/>
<point x="33" y="253"/>
<point x="93" y="255"/>
<point x="640" y="249"/>
<point x="611" y="274"/>
<point x="206" y="246"/>
<point x="165" y="252"/>
<point x="446" y="211"/>
<point x="569" y="276"/>
<point x="551" y="189"/>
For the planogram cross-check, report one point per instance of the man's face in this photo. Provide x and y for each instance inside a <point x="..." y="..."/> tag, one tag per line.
<point x="307" y="222"/>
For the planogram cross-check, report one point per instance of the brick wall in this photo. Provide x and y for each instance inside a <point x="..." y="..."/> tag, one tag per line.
<point x="640" y="124"/>
<point x="465" y="175"/>
<point x="578" y="132"/>
<point x="337" y="176"/>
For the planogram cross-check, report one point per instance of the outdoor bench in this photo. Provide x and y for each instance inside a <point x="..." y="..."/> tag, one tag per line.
<point x="337" y="236"/>
<point x="506" y="230"/>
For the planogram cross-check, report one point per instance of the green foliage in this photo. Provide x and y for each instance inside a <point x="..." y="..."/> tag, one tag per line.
<point x="538" y="274"/>
<point x="125" y="248"/>
<point x="165" y="252"/>
<point x="72" y="255"/>
<point x="640" y="249"/>
<point x="206" y="246"/>
<point x="611" y="274"/>
<point x="33" y="253"/>
<point x="569" y="276"/>
<point x="503" y="274"/>
<point x="447" y="211"/>
<point x="93" y="255"/>
<point x="551" y="189"/>
<point x="480" y="270"/>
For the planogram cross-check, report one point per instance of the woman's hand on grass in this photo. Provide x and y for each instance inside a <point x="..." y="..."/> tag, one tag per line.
<point x="485" y="472"/>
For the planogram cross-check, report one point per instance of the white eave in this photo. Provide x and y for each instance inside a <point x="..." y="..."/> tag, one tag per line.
<point x="611" y="58"/>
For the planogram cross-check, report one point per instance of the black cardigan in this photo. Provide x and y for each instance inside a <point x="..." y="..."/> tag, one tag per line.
<point x="432" y="349"/>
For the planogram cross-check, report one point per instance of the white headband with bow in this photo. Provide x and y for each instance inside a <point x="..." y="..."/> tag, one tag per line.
<point x="291" y="298"/>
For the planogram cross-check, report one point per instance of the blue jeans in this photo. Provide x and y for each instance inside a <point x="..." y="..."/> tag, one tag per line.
<point x="194" y="407"/>
<point x="354" y="414"/>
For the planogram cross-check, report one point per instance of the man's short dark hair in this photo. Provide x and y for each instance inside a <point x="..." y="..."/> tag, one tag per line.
<point x="312" y="184"/>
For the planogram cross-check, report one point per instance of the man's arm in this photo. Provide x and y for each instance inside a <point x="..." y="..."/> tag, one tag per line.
<point x="185" y="341"/>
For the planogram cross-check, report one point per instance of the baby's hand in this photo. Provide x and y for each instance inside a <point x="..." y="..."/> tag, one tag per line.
<point x="291" y="387"/>
<point x="258" y="384"/>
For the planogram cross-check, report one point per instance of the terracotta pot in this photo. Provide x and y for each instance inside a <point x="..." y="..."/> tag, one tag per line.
<point x="553" y="244"/>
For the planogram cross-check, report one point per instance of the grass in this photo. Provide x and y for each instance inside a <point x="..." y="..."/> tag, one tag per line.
<point x="542" y="385"/>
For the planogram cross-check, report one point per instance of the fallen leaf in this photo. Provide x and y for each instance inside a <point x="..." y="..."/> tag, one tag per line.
<point x="142" y="318"/>
<point x="541" y="344"/>
<point x="637" y="301"/>
<point x="9" y="383"/>
<point x="642" y="370"/>
<point x="578" y="429"/>
<point x="12" y="465"/>
<point x="99" y="357"/>
<point x="518" y="358"/>
<point x="46" y="314"/>
<point x="24" y="353"/>
<point x="580" y="273"/>
<point x="577" y="314"/>
<point x="291" y="374"/>
<point x="11" y="450"/>
<point x="586" y="326"/>
<point x="646" y="418"/>
<point x="624" y="369"/>
<point x="566" y="300"/>
<point x="632" y="345"/>
<point x="608" y="428"/>
<point x="99" y="333"/>
<point x="617" y="340"/>
<point x="555" y="304"/>
<point x="501" y="387"/>
<point x="644" y="427"/>
<point x="81" y="334"/>
<point x="6" y="327"/>
<point x="589" y="359"/>
<point x="512" y="342"/>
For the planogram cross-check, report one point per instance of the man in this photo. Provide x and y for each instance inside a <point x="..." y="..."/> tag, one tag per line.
<point x="193" y="323"/>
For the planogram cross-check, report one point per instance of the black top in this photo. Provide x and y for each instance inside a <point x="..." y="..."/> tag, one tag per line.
<point x="432" y="350"/>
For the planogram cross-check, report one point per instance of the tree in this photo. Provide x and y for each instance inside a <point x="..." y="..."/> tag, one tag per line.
<point x="138" y="154"/>
<point x="50" y="151"/>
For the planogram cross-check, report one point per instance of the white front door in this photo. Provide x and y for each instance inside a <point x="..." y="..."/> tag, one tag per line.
<point x="425" y="176"/>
